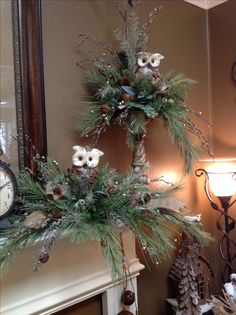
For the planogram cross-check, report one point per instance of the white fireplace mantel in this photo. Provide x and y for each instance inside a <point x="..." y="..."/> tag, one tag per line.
<point x="72" y="274"/>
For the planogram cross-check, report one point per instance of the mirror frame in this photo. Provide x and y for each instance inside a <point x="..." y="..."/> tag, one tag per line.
<point x="29" y="81"/>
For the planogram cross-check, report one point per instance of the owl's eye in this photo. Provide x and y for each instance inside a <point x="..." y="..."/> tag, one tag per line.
<point x="90" y="158"/>
<point x="144" y="60"/>
<point x="152" y="61"/>
<point x="80" y="158"/>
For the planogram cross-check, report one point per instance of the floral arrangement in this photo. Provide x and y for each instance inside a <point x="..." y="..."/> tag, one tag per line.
<point x="84" y="203"/>
<point x="129" y="90"/>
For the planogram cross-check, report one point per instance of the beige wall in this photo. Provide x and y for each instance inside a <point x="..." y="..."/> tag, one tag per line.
<point x="63" y="21"/>
<point x="223" y="47"/>
<point x="180" y="33"/>
<point x="223" y="55"/>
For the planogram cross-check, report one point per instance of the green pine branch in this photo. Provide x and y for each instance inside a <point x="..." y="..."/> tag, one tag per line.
<point x="153" y="236"/>
<point x="192" y="228"/>
<point x="174" y="118"/>
<point x="109" y="238"/>
<point x="164" y="189"/>
<point x="91" y="119"/>
<point x="97" y="212"/>
<point x="179" y="86"/>
<point x="29" y="188"/>
<point x="13" y="245"/>
<point x="137" y="123"/>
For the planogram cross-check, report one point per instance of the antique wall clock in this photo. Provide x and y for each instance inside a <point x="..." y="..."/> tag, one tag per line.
<point x="8" y="190"/>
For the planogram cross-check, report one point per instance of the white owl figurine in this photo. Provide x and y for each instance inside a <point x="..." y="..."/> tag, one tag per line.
<point x="148" y="64"/>
<point x="230" y="287"/>
<point x="85" y="163"/>
<point x="83" y="157"/>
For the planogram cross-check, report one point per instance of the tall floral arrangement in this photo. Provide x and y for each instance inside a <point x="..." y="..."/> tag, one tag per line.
<point x="130" y="91"/>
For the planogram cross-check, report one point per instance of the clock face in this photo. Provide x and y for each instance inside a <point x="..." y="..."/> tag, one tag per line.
<point x="7" y="190"/>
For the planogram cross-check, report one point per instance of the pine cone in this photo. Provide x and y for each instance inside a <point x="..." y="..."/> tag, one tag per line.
<point x="56" y="213"/>
<point x="105" y="109"/>
<point x="92" y="175"/>
<point x="126" y="81"/>
<point x="147" y="198"/>
<point x="54" y="192"/>
<point x="58" y="191"/>
<point x="128" y="297"/>
<point x="43" y="257"/>
<point x="87" y="174"/>
<point x="77" y="170"/>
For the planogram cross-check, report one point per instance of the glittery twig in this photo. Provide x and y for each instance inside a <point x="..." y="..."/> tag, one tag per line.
<point x="152" y="15"/>
<point x="161" y="179"/>
<point x="123" y="15"/>
<point x="100" y="44"/>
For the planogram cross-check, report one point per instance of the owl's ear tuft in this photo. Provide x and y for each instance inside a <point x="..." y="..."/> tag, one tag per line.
<point x="76" y="148"/>
<point x="158" y="56"/>
<point x="97" y="152"/>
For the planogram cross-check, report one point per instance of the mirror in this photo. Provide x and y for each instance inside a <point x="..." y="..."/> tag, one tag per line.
<point x="22" y="90"/>
<point x="8" y="123"/>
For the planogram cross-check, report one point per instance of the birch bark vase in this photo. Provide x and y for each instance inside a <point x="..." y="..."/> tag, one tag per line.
<point x="139" y="163"/>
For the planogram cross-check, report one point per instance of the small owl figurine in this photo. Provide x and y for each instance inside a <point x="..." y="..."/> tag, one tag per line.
<point x="148" y="64"/>
<point x="85" y="163"/>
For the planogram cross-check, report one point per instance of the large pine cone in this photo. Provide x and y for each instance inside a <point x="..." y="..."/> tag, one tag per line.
<point x="92" y="175"/>
<point x="88" y="174"/>
<point x="77" y="170"/>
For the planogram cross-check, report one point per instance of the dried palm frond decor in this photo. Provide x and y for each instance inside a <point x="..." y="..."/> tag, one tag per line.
<point x="89" y="203"/>
<point x="224" y="305"/>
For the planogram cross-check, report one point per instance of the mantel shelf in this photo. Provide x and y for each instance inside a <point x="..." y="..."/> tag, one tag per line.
<point x="72" y="274"/>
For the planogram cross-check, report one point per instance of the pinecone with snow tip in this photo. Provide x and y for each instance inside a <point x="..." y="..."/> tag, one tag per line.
<point x="43" y="257"/>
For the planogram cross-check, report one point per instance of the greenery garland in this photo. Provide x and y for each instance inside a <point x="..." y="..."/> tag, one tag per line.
<point x="58" y="203"/>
